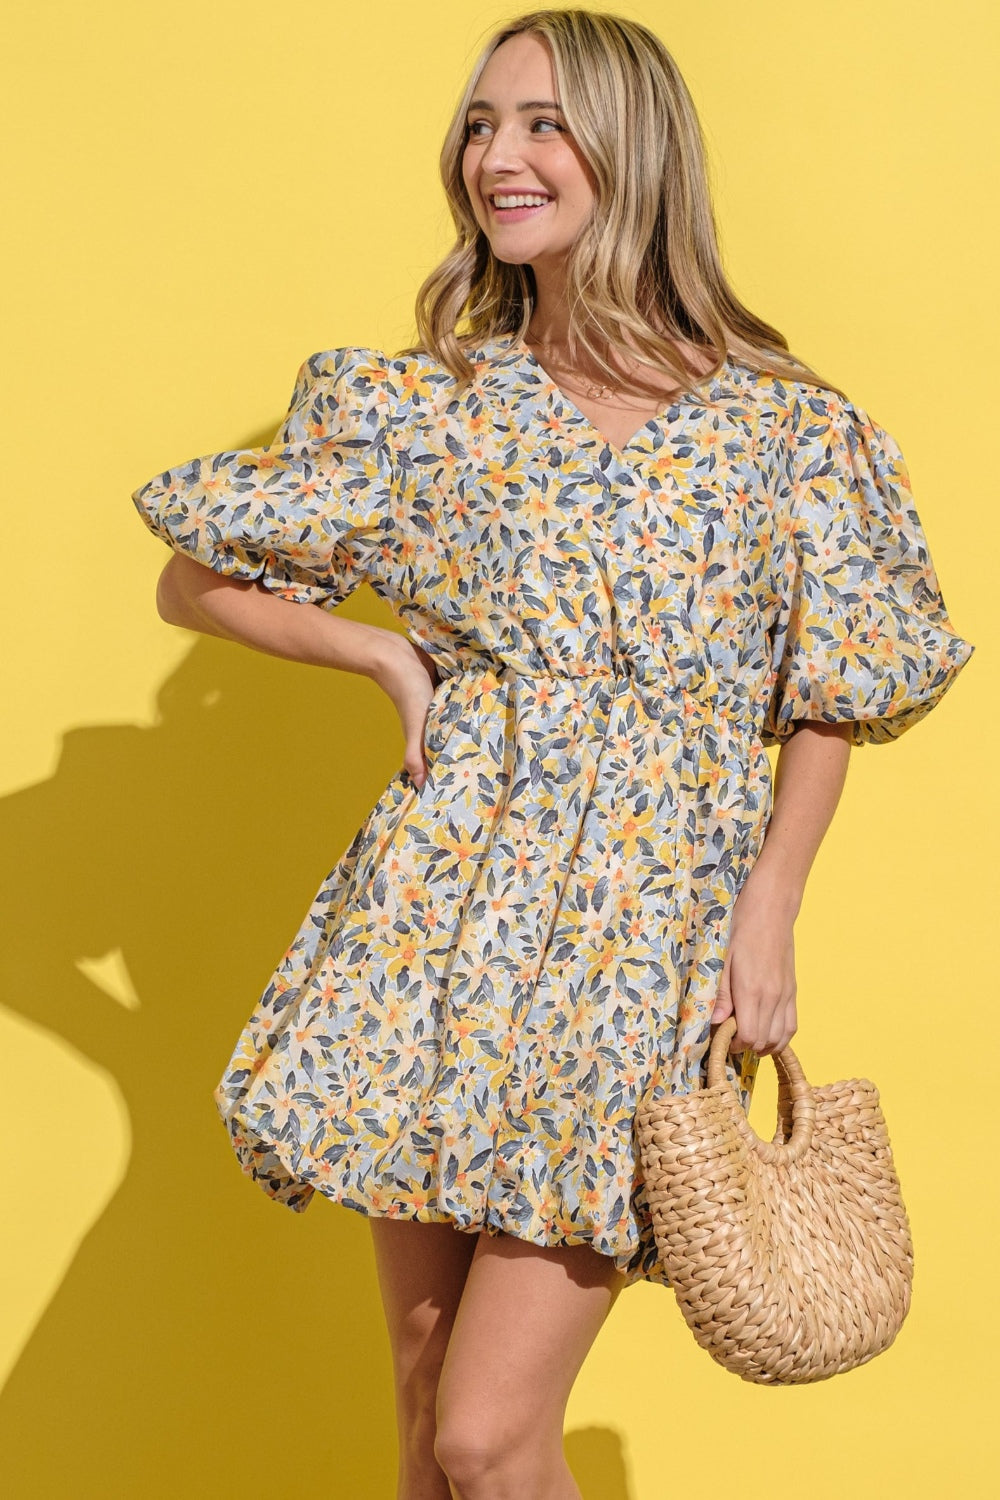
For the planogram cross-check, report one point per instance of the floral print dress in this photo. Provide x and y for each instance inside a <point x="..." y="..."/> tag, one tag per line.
<point x="506" y="959"/>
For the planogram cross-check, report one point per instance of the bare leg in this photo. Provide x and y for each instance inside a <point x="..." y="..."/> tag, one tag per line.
<point x="421" y="1271"/>
<point x="527" y="1319"/>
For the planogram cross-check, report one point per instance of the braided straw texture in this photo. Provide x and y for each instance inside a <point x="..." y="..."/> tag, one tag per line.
<point x="791" y="1260"/>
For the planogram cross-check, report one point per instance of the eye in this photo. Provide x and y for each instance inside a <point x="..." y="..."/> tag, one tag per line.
<point x="477" y="128"/>
<point x="546" y="125"/>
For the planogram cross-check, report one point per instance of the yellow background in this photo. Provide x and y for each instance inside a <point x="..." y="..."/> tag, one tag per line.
<point x="199" y="195"/>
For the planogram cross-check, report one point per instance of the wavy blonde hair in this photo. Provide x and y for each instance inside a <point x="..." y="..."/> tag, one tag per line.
<point x="645" y="271"/>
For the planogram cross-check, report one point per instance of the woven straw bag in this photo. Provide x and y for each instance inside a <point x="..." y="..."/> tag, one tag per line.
<point x="791" y="1259"/>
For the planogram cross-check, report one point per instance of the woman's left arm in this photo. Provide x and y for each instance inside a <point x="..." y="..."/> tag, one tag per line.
<point x="758" y="979"/>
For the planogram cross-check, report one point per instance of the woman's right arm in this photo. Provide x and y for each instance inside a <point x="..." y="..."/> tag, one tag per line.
<point x="192" y="595"/>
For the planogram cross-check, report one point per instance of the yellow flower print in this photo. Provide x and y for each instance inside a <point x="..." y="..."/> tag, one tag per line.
<point x="414" y="388"/>
<point x="462" y="848"/>
<point x="633" y="827"/>
<point x="508" y="941"/>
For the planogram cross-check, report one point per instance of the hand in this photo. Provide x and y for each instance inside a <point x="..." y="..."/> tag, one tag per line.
<point x="407" y="674"/>
<point x="758" y="978"/>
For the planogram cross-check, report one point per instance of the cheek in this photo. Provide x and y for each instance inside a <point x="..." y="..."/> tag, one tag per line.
<point x="576" y="185"/>
<point x="585" y="198"/>
<point x="469" y="174"/>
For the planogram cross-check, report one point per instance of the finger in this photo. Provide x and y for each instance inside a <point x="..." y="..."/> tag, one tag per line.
<point x="723" y="1007"/>
<point x="773" y="1029"/>
<point x="746" y="1012"/>
<point x="780" y="1029"/>
<point x="414" y="764"/>
<point x="791" y="1024"/>
<point x="761" y="1025"/>
<point x="722" y="1010"/>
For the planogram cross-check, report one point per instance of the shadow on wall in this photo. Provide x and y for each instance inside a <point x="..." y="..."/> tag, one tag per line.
<point x="205" y="1341"/>
<point x="595" y="1456"/>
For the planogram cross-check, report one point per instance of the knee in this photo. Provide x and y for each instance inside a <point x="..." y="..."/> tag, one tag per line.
<point x="416" y="1398"/>
<point x="416" y="1411"/>
<point x="468" y="1458"/>
<point x="419" y="1347"/>
<point x="472" y="1449"/>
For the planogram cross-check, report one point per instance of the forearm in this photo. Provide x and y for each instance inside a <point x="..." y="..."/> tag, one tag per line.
<point x="810" y="776"/>
<point x="195" y="597"/>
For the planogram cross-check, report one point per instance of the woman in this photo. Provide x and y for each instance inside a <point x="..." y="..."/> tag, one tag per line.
<point x="632" y="542"/>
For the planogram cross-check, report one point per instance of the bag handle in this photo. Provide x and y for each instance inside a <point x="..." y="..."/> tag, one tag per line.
<point x="796" y="1102"/>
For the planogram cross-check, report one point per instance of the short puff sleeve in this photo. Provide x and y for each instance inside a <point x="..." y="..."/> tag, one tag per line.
<point x="861" y="632"/>
<point x="303" y="514"/>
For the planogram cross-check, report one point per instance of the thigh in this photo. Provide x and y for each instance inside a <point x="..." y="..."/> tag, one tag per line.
<point x="421" y="1272"/>
<point x="529" y="1314"/>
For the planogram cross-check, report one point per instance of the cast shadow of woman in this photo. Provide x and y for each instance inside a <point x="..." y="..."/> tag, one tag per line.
<point x="204" y="1339"/>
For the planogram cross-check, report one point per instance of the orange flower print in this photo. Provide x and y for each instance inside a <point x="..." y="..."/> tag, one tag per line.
<point x="504" y="960"/>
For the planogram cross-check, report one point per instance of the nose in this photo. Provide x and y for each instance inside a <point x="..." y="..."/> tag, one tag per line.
<point x="501" y="153"/>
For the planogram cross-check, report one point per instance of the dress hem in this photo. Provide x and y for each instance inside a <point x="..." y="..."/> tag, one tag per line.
<point x="299" y="1193"/>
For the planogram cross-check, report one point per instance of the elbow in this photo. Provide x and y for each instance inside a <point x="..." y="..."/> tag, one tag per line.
<point x="172" y="602"/>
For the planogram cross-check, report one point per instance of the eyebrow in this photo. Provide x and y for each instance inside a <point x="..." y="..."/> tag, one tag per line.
<point x="524" y="105"/>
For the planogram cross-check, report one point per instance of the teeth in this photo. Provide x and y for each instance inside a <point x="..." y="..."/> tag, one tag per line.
<point x="519" y="200"/>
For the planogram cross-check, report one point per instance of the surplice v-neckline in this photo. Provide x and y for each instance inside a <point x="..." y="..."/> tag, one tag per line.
<point x="621" y="452"/>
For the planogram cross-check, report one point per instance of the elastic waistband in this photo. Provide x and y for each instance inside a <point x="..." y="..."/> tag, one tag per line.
<point x="687" y="688"/>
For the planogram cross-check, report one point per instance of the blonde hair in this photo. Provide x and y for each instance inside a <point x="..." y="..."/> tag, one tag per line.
<point x="645" y="271"/>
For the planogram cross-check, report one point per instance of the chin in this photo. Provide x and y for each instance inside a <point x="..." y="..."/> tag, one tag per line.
<point x="526" y="255"/>
<point x="511" y="257"/>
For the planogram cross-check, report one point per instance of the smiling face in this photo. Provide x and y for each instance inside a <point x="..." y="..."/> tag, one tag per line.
<point x="530" y="188"/>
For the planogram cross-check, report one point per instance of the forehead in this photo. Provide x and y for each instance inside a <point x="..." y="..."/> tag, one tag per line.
<point x="521" y="65"/>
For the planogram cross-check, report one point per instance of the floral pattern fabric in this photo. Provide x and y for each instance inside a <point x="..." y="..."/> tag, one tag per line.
<point x="505" y="960"/>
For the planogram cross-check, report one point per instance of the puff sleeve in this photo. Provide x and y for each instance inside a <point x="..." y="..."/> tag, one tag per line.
<point x="860" y="631"/>
<point x="303" y="514"/>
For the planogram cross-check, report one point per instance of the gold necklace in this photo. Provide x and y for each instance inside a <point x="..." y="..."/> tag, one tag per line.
<point x="586" y="388"/>
<point x="592" y="389"/>
<point x="601" y="392"/>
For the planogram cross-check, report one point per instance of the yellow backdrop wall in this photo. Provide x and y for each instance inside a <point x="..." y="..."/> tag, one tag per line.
<point x="201" y="194"/>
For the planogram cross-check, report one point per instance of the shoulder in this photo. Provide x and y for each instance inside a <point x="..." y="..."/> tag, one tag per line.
<point x="405" y="386"/>
<point x="337" y="386"/>
<point x="350" y="370"/>
<point x="808" y="413"/>
<point x="808" y="425"/>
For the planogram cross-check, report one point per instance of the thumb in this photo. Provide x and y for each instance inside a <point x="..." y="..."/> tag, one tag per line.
<point x="414" y="763"/>
<point x="723" y="1000"/>
<point x="723" y="1010"/>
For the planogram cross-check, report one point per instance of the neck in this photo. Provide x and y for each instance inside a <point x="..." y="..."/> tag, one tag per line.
<point x="550" y="317"/>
